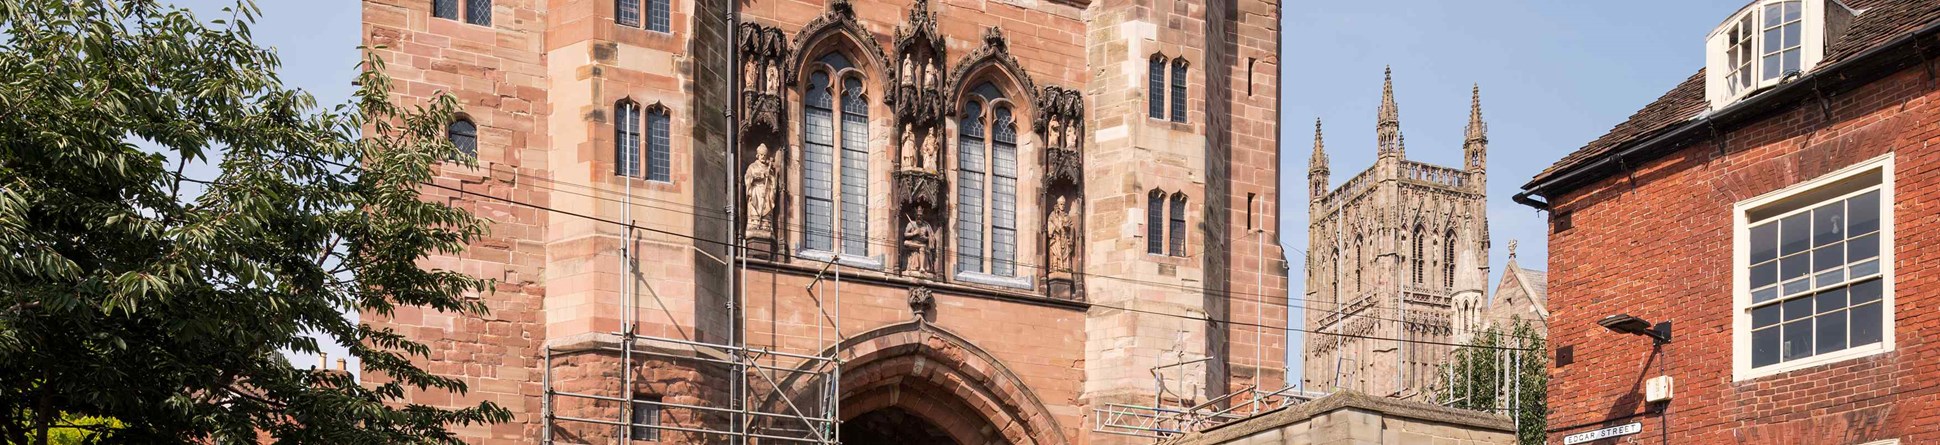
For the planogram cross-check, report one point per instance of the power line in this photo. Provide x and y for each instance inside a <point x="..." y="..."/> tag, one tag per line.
<point x="631" y="225"/>
<point x="891" y="244"/>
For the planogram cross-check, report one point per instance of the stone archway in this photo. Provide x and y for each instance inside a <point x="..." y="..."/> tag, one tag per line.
<point x="913" y="383"/>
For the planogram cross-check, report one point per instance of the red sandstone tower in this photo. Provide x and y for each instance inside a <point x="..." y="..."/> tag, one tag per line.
<point x="798" y="221"/>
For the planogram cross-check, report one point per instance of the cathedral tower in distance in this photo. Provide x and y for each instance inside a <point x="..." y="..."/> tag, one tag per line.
<point x="1397" y="261"/>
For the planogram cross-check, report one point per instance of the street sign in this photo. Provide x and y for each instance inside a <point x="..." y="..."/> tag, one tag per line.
<point x="1586" y="436"/>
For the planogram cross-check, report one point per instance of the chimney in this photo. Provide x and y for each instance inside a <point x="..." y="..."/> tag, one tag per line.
<point x="323" y="360"/>
<point x="341" y="366"/>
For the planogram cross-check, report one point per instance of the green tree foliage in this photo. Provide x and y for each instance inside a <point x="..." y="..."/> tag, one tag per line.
<point x="124" y="296"/>
<point x="1476" y="378"/>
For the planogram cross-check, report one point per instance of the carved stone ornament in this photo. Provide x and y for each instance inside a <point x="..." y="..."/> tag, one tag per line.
<point x="763" y="50"/>
<point x="839" y="18"/>
<point x="916" y="188"/>
<point x="994" y="51"/>
<point x="921" y="302"/>
<point x="1062" y="231"/>
<point x="1060" y="117"/>
<point x="915" y="86"/>
<point x="1063" y="166"/>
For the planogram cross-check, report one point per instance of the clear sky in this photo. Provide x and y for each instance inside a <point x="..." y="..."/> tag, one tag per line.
<point x="1554" y="74"/>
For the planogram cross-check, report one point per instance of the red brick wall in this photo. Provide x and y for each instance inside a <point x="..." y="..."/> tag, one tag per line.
<point x="1657" y="243"/>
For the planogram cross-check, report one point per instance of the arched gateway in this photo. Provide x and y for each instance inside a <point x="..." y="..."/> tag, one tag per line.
<point x="913" y="383"/>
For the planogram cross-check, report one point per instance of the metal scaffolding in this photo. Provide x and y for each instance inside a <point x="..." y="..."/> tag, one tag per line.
<point x="772" y="395"/>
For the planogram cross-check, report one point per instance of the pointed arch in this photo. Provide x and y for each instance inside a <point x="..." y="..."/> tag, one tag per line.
<point x="836" y="30"/>
<point x="941" y="363"/>
<point x="993" y="63"/>
<point x="1418" y="239"/>
<point x="1448" y="259"/>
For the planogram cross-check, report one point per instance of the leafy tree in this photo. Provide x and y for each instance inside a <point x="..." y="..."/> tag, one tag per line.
<point x="128" y="294"/>
<point x="1476" y="378"/>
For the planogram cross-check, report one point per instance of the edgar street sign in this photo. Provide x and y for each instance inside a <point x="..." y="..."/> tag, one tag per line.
<point x="1586" y="436"/>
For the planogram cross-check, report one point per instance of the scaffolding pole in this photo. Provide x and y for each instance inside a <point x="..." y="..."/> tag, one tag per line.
<point x="740" y="359"/>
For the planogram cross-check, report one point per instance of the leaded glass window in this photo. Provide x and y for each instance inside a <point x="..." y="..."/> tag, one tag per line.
<point x="626" y="139"/>
<point x="835" y="158"/>
<point x="1178" y="239"/>
<point x="659" y="15"/>
<point x="818" y="160"/>
<point x="626" y="12"/>
<point x="659" y="146"/>
<point x="464" y="136"/>
<point x="987" y="172"/>
<point x="1178" y="90"/>
<point x="478" y="12"/>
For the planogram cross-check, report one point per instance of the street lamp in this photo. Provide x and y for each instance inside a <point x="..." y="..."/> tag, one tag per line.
<point x="1630" y="324"/>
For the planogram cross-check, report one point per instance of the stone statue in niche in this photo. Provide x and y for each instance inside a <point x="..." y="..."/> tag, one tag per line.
<point x="932" y="150"/>
<point x="916" y="243"/>
<point x="1063" y="237"/>
<point x="1055" y="133"/>
<point x="908" y="147"/>
<point x="761" y="189"/>
<point x="774" y="78"/>
<point x="908" y="71"/>
<point x="751" y="76"/>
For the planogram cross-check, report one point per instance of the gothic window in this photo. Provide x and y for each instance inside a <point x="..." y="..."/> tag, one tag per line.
<point x="659" y="145"/>
<point x="1359" y="249"/>
<point x="626" y="12"/>
<point x="1155" y="88"/>
<point x="1418" y="259"/>
<point x="1178" y="90"/>
<point x="835" y="161"/>
<point x="1448" y="259"/>
<point x="1155" y="222"/>
<point x="987" y="184"/>
<point x="626" y="139"/>
<point x="477" y="12"/>
<point x="463" y="135"/>
<point x="1178" y="230"/>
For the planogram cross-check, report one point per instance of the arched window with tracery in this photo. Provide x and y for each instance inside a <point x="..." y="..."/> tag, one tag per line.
<point x="835" y="157"/>
<point x="1448" y="259"/>
<point x="1359" y="249"/>
<point x="1417" y="259"/>
<point x="987" y="183"/>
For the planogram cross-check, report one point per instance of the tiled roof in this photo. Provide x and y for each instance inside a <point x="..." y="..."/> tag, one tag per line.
<point x="1879" y="21"/>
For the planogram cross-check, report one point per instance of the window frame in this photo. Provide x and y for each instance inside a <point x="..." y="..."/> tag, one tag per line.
<point x="1741" y="332"/>
<point x="1723" y="69"/>
<point x="657" y="163"/>
<point x="985" y="129"/>
<point x="1156" y="87"/>
<point x="629" y="140"/>
<point x="1179" y="90"/>
<point x="451" y="135"/>
<point x="1177" y="230"/>
<point x="838" y="87"/>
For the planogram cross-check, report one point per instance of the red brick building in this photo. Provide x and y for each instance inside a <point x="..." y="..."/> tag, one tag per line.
<point x="1775" y="209"/>
<point x="994" y="216"/>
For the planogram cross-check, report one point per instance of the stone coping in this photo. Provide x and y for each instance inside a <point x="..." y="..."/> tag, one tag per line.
<point x="603" y="341"/>
<point x="1344" y="401"/>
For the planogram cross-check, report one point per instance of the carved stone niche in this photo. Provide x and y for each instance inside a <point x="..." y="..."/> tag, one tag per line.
<point x="763" y="53"/>
<point x="1060" y="121"/>
<point x="916" y="82"/>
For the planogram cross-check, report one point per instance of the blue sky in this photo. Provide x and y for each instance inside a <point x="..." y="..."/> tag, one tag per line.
<point x="1553" y="75"/>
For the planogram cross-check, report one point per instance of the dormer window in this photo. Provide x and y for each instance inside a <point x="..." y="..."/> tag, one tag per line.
<point x="1766" y="43"/>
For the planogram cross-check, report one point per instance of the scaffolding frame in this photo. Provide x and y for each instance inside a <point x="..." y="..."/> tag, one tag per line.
<point x="749" y="365"/>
